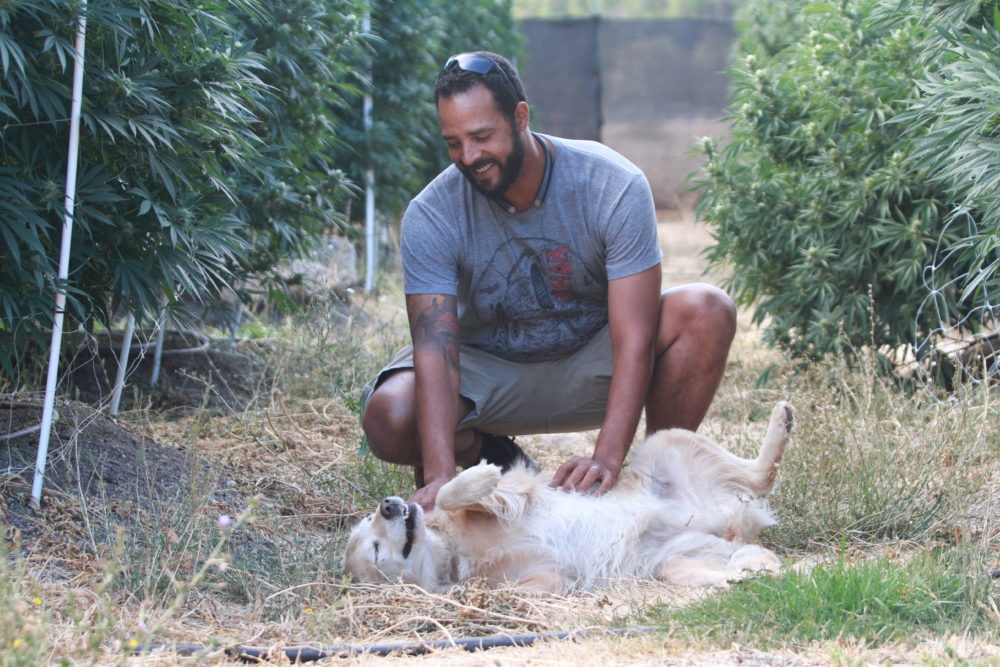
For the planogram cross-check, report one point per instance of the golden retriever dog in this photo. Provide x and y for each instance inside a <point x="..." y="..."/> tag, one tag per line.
<point x="685" y="512"/>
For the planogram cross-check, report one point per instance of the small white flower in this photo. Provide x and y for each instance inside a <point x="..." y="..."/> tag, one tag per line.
<point x="225" y="521"/>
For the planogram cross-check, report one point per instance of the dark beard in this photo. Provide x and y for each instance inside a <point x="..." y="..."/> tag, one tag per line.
<point x="509" y="171"/>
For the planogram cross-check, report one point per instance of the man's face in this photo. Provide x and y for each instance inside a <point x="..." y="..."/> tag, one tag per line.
<point x="480" y="140"/>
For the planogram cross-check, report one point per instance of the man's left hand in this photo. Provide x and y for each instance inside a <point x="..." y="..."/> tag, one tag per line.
<point x="580" y="473"/>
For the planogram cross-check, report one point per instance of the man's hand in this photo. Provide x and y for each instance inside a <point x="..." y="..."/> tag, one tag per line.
<point x="580" y="473"/>
<point x="426" y="496"/>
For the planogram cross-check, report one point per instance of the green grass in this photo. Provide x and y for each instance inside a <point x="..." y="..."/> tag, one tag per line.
<point x="874" y="602"/>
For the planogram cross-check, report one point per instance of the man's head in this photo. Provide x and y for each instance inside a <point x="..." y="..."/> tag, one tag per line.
<point x="464" y="70"/>
<point x="483" y="118"/>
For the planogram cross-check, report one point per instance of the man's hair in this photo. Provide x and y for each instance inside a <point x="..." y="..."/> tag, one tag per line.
<point x="505" y="84"/>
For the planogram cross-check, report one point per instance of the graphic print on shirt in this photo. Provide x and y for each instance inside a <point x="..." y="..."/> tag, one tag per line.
<point x="536" y="305"/>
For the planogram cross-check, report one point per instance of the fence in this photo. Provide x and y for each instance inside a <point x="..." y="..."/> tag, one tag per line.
<point x="647" y="88"/>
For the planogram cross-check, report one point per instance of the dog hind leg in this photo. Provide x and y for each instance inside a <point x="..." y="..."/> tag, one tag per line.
<point x="765" y="467"/>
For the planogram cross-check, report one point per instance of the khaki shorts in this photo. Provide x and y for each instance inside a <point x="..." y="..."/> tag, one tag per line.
<point x="518" y="397"/>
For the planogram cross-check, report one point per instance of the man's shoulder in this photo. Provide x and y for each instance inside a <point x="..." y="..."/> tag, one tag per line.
<point x="594" y="151"/>
<point x="442" y="184"/>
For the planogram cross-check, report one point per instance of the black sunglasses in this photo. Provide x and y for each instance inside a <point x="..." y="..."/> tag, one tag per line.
<point x="478" y="63"/>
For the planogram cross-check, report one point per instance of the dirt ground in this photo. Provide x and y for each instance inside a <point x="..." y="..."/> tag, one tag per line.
<point x="132" y="469"/>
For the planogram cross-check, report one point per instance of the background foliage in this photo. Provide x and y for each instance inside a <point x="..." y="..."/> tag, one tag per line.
<point x="412" y="40"/>
<point x="216" y="143"/>
<point x="826" y="202"/>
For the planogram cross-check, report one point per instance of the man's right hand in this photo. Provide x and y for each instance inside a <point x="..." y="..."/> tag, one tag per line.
<point x="426" y="496"/>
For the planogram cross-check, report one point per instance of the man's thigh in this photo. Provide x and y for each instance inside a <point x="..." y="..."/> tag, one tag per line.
<point x="515" y="398"/>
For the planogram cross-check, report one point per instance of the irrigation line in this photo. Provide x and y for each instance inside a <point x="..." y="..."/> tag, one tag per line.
<point x="23" y="431"/>
<point x="310" y="653"/>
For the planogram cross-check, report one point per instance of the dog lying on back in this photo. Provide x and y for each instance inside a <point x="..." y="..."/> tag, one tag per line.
<point x="685" y="512"/>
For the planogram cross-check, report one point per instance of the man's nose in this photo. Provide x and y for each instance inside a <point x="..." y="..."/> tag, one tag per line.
<point x="470" y="154"/>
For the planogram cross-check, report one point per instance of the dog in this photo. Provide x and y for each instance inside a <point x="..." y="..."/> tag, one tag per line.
<point x="685" y="512"/>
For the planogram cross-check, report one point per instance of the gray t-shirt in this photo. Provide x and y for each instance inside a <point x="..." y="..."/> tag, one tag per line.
<point x="533" y="286"/>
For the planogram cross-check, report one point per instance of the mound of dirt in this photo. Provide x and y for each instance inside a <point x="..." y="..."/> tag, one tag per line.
<point x="93" y="459"/>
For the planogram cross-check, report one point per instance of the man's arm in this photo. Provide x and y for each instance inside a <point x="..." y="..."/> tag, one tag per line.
<point x="633" y="317"/>
<point x="434" y="331"/>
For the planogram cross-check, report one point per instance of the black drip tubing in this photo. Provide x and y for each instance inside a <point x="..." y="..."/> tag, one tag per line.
<point x="310" y="654"/>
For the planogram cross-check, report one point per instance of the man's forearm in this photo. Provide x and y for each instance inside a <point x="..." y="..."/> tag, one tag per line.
<point x="629" y="386"/>
<point x="437" y="414"/>
<point x="434" y="330"/>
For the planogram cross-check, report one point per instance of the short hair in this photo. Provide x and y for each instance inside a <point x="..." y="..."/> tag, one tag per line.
<point x="503" y="83"/>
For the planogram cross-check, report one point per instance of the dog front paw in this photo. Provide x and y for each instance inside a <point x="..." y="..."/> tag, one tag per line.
<point x="469" y="487"/>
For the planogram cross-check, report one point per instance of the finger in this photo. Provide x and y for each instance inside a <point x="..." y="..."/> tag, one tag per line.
<point x="608" y="480"/>
<point x="425" y="497"/>
<point x="563" y="472"/>
<point x="573" y="478"/>
<point x="583" y="476"/>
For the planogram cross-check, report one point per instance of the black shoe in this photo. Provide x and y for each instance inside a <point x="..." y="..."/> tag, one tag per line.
<point x="502" y="451"/>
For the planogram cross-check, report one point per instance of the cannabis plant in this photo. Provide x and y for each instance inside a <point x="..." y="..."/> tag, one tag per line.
<point x="816" y="204"/>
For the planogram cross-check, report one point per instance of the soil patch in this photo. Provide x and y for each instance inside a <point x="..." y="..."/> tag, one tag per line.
<point x="93" y="461"/>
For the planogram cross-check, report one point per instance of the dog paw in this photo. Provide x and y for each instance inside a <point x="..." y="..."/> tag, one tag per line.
<point x="469" y="487"/>
<point x="785" y="415"/>
<point x="751" y="559"/>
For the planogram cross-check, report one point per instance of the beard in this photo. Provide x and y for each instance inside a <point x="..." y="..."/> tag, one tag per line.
<point x="509" y="169"/>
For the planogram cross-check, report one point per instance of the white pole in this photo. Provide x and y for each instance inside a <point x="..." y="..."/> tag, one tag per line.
<point x="161" y="325"/>
<point x="67" y="234"/>
<point x="116" y="395"/>
<point x="371" y="242"/>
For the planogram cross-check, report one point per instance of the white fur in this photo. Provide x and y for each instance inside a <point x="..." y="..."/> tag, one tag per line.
<point x="685" y="512"/>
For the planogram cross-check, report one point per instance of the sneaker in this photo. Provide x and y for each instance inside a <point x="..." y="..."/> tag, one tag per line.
<point x="501" y="450"/>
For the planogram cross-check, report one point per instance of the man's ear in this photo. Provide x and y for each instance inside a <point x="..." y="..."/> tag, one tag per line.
<point x="522" y="114"/>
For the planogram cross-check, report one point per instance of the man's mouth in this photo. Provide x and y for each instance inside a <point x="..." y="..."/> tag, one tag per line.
<point x="482" y="167"/>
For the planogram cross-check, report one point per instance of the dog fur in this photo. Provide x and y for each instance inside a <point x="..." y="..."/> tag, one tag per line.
<point x="685" y="512"/>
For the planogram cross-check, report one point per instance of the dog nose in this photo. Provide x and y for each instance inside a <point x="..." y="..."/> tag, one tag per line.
<point x="391" y="506"/>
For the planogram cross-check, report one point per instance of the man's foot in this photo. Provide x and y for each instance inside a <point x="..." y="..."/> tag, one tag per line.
<point x="501" y="450"/>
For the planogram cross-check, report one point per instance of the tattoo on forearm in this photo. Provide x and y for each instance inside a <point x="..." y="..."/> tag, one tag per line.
<point x="433" y="322"/>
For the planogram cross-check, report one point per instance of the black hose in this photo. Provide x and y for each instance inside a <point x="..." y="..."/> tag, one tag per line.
<point x="309" y="654"/>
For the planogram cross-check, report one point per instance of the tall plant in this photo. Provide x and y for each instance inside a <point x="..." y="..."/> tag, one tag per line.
<point x="204" y="152"/>
<point x="959" y="113"/>
<point x="816" y="203"/>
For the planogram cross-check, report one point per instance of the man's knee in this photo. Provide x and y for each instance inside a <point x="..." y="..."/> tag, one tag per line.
<point x="389" y="424"/>
<point x="699" y="305"/>
<point x="699" y="309"/>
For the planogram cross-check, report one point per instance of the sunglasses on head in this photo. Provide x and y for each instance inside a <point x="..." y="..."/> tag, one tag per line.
<point x="478" y="63"/>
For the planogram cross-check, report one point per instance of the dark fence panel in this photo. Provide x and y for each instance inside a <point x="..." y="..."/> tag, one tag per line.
<point x="647" y="88"/>
<point x="561" y="77"/>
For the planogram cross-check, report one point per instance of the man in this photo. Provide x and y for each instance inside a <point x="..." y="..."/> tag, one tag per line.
<point x="532" y="278"/>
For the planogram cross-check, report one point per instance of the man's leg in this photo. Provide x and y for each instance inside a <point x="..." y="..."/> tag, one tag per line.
<point x="697" y="326"/>
<point x="390" y="424"/>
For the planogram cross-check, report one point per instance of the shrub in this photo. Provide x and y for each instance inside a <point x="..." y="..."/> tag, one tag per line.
<point x="959" y="111"/>
<point x="201" y="157"/>
<point x="817" y="204"/>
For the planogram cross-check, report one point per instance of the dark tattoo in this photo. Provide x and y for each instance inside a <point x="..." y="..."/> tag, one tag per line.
<point x="433" y="321"/>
